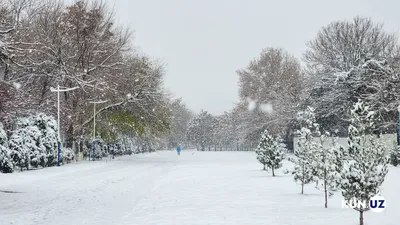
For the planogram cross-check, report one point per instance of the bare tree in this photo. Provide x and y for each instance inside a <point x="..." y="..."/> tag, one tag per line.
<point x="338" y="48"/>
<point x="80" y="45"/>
<point x="341" y="45"/>
<point x="274" y="82"/>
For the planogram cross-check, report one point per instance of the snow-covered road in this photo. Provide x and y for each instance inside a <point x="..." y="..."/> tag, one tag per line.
<point x="196" y="188"/>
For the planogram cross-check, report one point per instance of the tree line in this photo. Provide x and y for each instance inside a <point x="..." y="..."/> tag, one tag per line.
<point x="48" y="43"/>
<point x="347" y="61"/>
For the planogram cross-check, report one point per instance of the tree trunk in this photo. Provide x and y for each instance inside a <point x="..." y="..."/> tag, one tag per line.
<point x="326" y="190"/>
<point x="69" y="136"/>
<point x="273" y="171"/>
<point x="361" y="218"/>
<point x="302" y="180"/>
<point x="264" y="167"/>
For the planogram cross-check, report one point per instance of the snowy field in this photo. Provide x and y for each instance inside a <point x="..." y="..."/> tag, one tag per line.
<point x="196" y="188"/>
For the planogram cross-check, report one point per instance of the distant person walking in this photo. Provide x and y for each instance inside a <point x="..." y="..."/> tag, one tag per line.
<point x="178" y="150"/>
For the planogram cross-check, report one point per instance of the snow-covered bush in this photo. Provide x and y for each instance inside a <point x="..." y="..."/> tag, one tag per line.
<point x="86" y="149"/>
<point x="67" y="155"/>
<point x="6" y="164"/>
<point x="97" y="152"/>
<point x="365" y="166"/>
<point x="34" y="142"/>
<point x="129" y="145"/>
<point x="105" y="150"/>
<point x="48" y="127"/>
<point x="25" y="146"/>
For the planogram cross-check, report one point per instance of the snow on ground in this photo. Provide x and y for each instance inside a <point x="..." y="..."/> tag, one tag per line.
<point x="196" y="188"/>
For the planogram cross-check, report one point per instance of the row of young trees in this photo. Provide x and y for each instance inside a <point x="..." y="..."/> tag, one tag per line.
<point x="48" y="43"/>
<point x="357" y="171"/>
<point x="346" y="61"/>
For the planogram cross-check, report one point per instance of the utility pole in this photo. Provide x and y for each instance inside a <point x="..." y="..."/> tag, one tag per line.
<point x="94" y="121"/>
<point x="58" y="90"/>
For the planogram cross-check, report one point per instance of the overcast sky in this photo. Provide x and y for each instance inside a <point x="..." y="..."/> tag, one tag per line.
<point x="203" y="42"/>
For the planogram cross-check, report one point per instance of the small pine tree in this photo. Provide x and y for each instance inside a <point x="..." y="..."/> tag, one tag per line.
<point x="365" y="167"/>
<point x="261" y="156"/>
<point x="327" y="166"/>
<point x="272" y="151"/>
<point x="303" y="170"/>
<point x="395" y="156"/>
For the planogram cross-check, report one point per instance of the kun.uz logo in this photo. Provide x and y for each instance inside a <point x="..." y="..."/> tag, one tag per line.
<point x="376" y="204"/>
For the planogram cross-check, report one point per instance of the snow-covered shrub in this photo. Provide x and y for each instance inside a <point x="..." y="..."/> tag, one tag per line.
<point x="127" y="145"/>
<point x="67" y="155"/>
<point x="48" y="127"/>
<point x="105" y="150"/>
<point x="97" y="152"/>
<point x="86" y="149"/>
<point x="34" y="142"/>
<point x="129" y="152"/>
<point x="6" y="164"/>
<point x="118" y="149"/>
<point x="25" y="145"/>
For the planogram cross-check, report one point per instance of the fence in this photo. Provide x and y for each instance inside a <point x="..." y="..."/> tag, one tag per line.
<point x="389" y="140"/>
<point x="227" y="148"/>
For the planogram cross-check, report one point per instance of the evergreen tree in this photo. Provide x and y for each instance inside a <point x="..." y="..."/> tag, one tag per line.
<point x="327" y="166"/>
<point x="25" y="146"/>
<point x="365" y="167"/>
<point x="6" y="165"/>
<point x="48" y="139"/>
<point x="34" y="142"/>
<point x="261" y="157"/>
<point x="271" y="152"/>
<point x="395" y="156"/>
<point x="303" y="170"/>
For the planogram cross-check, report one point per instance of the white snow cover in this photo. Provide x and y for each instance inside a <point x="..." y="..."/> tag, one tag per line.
<point x="195" y="188"/>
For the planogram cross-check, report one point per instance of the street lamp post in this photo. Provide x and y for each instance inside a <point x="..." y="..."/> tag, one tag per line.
<point x="58" y="90"/>
<point x="94" y="121"/>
